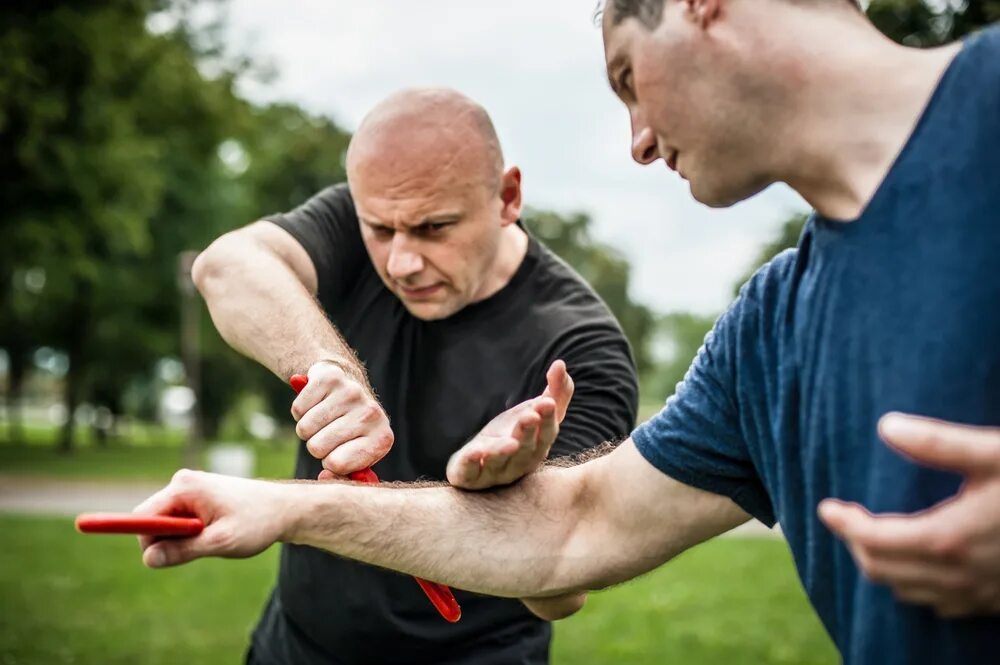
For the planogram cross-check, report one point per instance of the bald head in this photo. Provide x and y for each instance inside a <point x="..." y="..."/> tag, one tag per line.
<point x="422" y="136"/>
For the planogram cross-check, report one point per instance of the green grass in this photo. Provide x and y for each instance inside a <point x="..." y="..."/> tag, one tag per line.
<point x="730" y="601"/>
<point x="132" y="462"/>
<point x="66" y="598"/>
<point x="47" y="435"/>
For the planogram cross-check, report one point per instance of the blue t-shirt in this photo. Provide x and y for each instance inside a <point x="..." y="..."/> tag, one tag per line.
<point x="898" y="310"/>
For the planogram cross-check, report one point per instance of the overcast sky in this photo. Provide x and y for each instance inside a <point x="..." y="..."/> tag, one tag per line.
<point x="537" y="66"/>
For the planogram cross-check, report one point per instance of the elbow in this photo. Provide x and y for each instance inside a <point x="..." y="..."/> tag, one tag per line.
<point x="212" y="264"/>
<point x="556" y="607"/>
<point x="201" y="269"/>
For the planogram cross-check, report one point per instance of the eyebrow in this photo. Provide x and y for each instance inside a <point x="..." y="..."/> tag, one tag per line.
<point x="437" y="218"/>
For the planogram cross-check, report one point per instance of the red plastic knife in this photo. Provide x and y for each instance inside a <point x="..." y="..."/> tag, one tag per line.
<point x="439" y="594"/>
<point x="148" y="525"/>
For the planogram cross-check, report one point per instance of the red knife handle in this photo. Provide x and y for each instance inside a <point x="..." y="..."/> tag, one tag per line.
<point x="440" y="595"/>
<point x="149" y="525"/>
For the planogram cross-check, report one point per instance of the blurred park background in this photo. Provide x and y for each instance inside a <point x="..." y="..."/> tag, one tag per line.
<point x="126" y="145"/>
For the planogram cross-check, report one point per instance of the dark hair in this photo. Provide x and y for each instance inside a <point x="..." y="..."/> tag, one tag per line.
<point x="650" y="12"/>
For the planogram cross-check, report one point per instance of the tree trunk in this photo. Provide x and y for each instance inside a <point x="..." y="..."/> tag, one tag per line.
<point x="76" y="342"/>
<point x="15" y="414"/>
<point x="71" y="399"/>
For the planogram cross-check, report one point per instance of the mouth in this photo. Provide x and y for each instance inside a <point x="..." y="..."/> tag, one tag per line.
<point x="419" y="293"/>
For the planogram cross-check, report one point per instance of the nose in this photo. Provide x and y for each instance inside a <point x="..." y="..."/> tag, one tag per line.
<point x="644" y="148"/>
<point x="403" y="260"/>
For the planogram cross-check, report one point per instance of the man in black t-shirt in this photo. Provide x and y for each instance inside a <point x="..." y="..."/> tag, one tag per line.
<point x="419" y="285"/>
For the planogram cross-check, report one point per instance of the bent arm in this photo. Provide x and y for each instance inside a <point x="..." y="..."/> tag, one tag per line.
<point x="556" y="532"/>
<point x="259" y="285"/>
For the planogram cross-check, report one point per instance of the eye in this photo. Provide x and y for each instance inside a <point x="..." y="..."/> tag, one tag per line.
<point x="625" y="81"/>
<point x="433" y="228"/>
<point x="382" y="232"/>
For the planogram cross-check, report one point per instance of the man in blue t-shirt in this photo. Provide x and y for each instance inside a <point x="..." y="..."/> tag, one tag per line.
<point x="890" y="303"/>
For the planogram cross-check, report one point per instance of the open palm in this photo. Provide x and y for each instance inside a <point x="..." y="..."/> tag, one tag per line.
<point x="516" y="442"/>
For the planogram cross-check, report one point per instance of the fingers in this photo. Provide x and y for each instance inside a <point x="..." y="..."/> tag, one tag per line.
<point x="341" y="423"/>
<point x="324" y="378"/>
<point x="896" y="535"/>
<point x="216" y="540"/>
<point x="463" y="469"/>
<point x="364" y="421"/>
<point x="505" y="462"/>
<point x="320" y="415"/>
<point x="907" y="553"/>
<point x="548" y="413"/>
<point x="488" y="463"/>
<point x="559" y="387"/>
<point x="499" y="459"/>
<point x="357" y="454"/>
<point x="961" y="448"/>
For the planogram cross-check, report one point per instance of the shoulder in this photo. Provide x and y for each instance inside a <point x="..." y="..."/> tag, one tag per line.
<point x="334" y="201"/>
<point x="329" y="211"/>
<point x="563" y="296"/>
<point x="975" y="74"/>
<point x="745" y="337"/>
<point x="768" y="292"/>
<point x="988" y="40"/>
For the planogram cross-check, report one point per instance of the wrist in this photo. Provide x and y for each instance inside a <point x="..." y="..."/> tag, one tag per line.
<point x="303" y="505"/>
<point x="291" y="505"/>
<point x="351" y="368"/>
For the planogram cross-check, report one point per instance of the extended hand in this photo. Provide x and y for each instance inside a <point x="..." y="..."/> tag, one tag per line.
<point x="341" y="421"/>
<point x="947" y="557"/>
<point x="242" y="517"/>
<point x="517" y="441"/>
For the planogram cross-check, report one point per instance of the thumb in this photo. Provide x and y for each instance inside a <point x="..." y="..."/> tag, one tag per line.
<point x="961" y="448"/>
<point x="559" y="387"/>
<point x="173" y="551"/>
<point x="841" y="517"/>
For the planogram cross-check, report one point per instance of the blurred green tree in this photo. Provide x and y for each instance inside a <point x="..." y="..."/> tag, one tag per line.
<point x="922" y="23"/>
<point x="110" y="139"/>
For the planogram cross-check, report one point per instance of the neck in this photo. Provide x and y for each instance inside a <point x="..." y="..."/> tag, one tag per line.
<point x="510" y="254"/>
<point x="853" y="115"/>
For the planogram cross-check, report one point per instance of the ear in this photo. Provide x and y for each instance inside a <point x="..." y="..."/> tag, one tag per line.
<point x="703" y="12"/>
<point x="510" y="196"/>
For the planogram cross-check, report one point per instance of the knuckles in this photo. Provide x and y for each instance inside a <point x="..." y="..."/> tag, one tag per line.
<point x="184" y="477"/>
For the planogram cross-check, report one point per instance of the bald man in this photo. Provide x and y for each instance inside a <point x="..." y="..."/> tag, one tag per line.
<point x="420" y="307"/>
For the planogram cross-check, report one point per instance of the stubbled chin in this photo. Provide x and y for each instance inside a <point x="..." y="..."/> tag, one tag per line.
<point x="428" y="311"/>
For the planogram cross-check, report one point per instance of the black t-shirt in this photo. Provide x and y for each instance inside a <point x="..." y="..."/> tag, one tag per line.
<point x="440" y="382"/>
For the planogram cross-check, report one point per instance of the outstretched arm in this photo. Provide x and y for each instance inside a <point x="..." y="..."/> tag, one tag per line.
<point x="557" y="531"/>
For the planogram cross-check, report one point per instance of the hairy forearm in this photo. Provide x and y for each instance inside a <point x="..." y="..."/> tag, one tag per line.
<point x="263" y="310"/>
<point x="518" y="541"/>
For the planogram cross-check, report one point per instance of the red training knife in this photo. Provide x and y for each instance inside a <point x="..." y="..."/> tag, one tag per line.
<point x="440" y="595"/>
<point x="147" y="525"/>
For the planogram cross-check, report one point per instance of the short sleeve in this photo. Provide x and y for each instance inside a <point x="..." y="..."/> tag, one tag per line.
<point x="327" y="228"/>
<point x="696" y="439"/>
